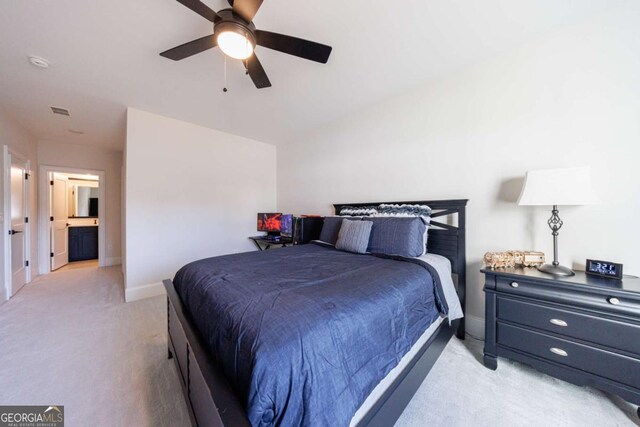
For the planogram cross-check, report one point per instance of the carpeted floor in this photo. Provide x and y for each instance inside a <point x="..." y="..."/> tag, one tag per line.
<point x="79" y="264"/>
<point x="69" y="338"/>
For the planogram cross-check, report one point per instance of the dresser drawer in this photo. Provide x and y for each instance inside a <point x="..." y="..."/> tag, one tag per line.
<point x="577" y="297"/>
<point x="625" y="370"/>
<point x="598" y="330"/>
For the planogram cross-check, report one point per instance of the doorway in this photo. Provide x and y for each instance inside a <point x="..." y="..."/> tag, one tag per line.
<point x="16" y="233"/>
<point x="72" y="209"/>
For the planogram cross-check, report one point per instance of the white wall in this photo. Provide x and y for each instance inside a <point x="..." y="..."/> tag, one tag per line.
<point x="191" y="192"/>
<point x="83" y="157"/>
<point x="21" y="142"/>
<point x="568" y="100"/>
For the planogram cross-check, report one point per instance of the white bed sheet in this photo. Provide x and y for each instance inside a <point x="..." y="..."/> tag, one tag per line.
<point x="442" y="265"/>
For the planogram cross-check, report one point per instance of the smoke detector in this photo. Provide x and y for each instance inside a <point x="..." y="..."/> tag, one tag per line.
<point x="39" y="62"/>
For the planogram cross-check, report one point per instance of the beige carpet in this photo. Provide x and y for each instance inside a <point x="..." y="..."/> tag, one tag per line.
<point x="79" y="264"/>
<point x="69" y="338"/>
<point x="514" y="395"/>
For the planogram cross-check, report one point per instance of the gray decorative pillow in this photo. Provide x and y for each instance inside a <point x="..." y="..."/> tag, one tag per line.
<point x="354" y="236"/>
<point x="403" y="236"/>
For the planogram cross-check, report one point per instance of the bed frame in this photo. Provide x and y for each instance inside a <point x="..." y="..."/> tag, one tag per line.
<point x="211" y="400"/>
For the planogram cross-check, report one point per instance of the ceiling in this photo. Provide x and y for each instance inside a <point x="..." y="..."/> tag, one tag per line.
<point x="104" y="57"/>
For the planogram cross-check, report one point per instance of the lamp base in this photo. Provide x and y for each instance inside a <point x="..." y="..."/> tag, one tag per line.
<point x="556" y="270"/>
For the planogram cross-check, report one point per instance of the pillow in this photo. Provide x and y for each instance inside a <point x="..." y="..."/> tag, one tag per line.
<point x="405" y="210"/>
<point x="330" y="229"/>
<point x="353" y="211"/>
<point x="354" y="236"/>
<point x="422" y="211"/>
<point x="388" y="210"/>
<point x="403" y="236"/>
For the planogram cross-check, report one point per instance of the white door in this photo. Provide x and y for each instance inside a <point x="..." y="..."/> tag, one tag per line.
<point x="59" y="220"/>
<point x="18" y="226"/>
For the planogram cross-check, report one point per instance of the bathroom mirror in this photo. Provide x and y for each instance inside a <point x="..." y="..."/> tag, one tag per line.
<point x="83" y="200"/>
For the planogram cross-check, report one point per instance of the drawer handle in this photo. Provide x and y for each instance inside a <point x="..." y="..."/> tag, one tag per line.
<point x="614" y="301"/>
<point x="558" y="322"/>
<point x="514" y="284"/>
<point x="559" y="351"/>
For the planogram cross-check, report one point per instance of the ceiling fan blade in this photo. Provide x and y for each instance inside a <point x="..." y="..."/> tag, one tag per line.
<point x="191" y="48"/>
<point x="293" y="46"/>
<point x="246" y="8"/>
<point x="201" y="9"/>
<point x="257" y="73"/>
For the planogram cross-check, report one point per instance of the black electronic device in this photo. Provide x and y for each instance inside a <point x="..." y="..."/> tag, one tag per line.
<point x="286" y="225"/>
<point x="608" y="269"/>
<point x="270" y="222"/>
<point x="307" y="229"/>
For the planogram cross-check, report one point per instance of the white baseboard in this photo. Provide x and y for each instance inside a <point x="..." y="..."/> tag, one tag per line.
<point x="142" y="292"/>
<point x="112" y="261"/>
<point x="474" y="326"/>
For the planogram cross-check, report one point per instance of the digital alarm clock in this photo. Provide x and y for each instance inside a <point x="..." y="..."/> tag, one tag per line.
<point x="608" y="269"/>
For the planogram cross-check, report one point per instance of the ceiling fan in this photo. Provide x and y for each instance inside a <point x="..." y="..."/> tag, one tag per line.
<point x="237" y="37"/>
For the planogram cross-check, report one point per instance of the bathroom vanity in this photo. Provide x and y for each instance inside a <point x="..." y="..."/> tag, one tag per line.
<point x="83" y="242"/>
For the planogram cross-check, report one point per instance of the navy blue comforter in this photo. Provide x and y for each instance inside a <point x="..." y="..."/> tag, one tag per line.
<point x="305" y="333"/>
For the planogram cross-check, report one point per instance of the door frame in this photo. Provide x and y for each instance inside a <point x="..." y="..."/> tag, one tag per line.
<point x="10" y="154"/>
<point x="44" y="225"/>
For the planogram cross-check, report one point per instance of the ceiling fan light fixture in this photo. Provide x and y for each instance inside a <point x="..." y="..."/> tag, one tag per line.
<point x="235" y="41"/>
<point x="236" y="35"/>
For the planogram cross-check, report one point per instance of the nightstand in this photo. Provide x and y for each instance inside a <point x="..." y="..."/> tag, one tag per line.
<point x="581" y="329"/>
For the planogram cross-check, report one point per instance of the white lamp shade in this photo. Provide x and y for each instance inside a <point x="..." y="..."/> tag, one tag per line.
<point x="569" y="186"/>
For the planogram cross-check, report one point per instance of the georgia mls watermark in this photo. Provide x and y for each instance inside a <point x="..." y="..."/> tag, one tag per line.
<point x="32" y="416"/>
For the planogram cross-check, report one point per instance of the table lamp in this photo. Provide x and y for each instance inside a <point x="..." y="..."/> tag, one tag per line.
<point x="555" y="187"/>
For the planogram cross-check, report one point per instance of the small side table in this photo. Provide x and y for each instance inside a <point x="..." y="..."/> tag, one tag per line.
<point x="262" y="243"/>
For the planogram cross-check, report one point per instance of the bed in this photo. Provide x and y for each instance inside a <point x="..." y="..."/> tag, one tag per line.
<point x="295" y="321"/>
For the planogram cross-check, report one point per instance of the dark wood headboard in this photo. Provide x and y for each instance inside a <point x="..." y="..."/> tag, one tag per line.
<point x="446" y="239"/>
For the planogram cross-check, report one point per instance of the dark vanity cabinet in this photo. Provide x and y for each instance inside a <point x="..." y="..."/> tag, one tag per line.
<point x="83" y="243"/>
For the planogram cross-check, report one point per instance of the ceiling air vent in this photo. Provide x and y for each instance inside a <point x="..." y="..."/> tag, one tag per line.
<point x="61" y="111"/>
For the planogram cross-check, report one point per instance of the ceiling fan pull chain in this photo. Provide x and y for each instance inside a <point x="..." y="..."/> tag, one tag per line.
<point x="224" y="89"/>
